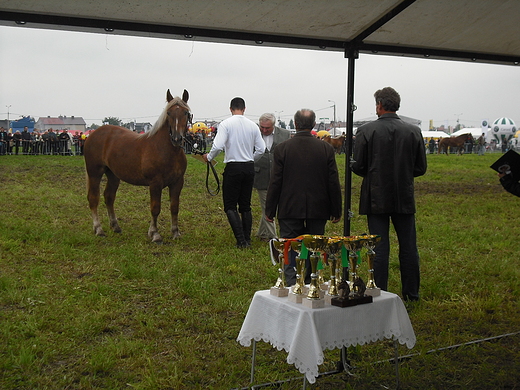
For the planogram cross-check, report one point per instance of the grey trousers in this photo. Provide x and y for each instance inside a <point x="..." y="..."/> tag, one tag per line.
<point x="266" y="230"/>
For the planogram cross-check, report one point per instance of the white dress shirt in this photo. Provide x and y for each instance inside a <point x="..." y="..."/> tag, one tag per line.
<point x="239" y="138"/>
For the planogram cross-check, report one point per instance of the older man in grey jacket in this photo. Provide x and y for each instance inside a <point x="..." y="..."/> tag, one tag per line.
<point x="272" y="136"/>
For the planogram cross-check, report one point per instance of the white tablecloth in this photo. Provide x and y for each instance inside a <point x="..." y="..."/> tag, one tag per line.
<point x="306" y="333"/>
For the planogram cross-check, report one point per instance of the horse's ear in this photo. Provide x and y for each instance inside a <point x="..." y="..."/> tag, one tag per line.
<point x="169" y="96"/>
<point x="185" y="96"/>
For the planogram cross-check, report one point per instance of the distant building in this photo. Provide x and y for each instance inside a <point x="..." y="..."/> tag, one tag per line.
<point x="72" y="123"/>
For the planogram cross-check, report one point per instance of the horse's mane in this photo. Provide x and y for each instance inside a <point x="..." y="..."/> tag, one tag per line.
<point x="161" y="121"/>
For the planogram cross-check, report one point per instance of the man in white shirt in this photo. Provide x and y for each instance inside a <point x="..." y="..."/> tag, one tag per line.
<point x="240" y="139"/>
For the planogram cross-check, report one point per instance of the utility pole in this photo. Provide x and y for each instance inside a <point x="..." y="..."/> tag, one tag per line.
<point x="8" y="121"/>
<point x="334" y="125"/>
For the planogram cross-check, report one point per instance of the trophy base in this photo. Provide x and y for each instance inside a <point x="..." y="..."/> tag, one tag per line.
<point x="279" y="292"/>
<point x="313" y="303"/>
<point x="329" y="298"/>
<point x="373" y="292"/>
<point x="295" y="298"/>
<point x="348" y="302"/>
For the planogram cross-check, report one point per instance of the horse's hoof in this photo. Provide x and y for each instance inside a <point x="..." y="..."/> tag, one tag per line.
<point x="99" y="232"/>
<point x="176" y="234"/>
<point x="157" y="238"/>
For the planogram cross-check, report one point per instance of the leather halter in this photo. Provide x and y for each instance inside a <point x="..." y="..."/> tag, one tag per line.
<point x="177" y="139"/>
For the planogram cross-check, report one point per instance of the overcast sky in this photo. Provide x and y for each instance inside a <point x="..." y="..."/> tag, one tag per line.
<point x="52" y="73"/>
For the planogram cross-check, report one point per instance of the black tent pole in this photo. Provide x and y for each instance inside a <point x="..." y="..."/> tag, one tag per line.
<point x="351" y="54"/>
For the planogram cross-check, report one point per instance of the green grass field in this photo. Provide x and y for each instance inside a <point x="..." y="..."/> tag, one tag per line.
<point x="118" y="312"/>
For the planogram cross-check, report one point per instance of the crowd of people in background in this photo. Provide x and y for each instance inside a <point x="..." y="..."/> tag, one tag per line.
<point x="65" y="143"/>
<point x="49" y="142"/>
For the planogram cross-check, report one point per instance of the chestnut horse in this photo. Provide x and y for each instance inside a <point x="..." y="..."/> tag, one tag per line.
<point x="337" y="143"/>
<point x="457" y="142"/>
<point x="154" y="159"/>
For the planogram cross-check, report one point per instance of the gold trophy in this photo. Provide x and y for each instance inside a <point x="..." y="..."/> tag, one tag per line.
<point x="333" y="248"/>
<point x="297" y="291"/>
<point x="280" y="289"/>
<point x="316" y="244"/>
<point x="370" y="241"/>
<point x="356" y="285"/>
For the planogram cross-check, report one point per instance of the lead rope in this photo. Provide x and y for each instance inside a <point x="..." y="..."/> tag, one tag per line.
<point x="208" y="166"/>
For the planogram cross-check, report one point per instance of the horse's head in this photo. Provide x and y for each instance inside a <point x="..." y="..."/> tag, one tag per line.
<point x="178" y="116"/>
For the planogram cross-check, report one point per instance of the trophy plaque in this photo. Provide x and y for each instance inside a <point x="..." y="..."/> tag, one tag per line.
<point x="280" y="289"/>
<point x="316" y="244"/>
<point x="296" y="293"/>
<point x="370" y="242"/>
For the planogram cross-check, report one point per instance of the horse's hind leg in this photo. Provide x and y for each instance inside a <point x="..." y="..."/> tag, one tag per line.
<point x="155" y="208"/>
<point x="175" y="192"/>
<point x="110" y="197"/>
<point x="93" y="182"/>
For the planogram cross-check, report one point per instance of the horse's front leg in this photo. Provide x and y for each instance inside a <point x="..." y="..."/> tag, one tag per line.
<point x="155" y="208"/>
<point x="175" y="193"/>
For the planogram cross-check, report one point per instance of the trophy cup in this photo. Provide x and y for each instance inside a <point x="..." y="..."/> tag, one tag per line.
<point x="333" y="248"/>
<point x="315" y="244"/>
<point x="297" y="291"/>
<point x="370" y="242"/>
<point x="279" y="289"/>
<point x="357" y="287"/>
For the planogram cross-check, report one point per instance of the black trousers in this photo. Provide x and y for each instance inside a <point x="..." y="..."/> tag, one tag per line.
<point x="404" y="225"/>
<point x="292" y="228"/>
<point x="237" y="186"/>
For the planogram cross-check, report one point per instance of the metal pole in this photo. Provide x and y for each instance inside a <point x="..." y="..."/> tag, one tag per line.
<point x="253" y="362"/>
<point x="352" y="54"/>
<point x="396" y="362"/>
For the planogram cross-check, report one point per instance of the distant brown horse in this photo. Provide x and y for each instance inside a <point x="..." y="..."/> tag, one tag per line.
<point x="154" y="159"/>
<point x="457" y="142"/>
<point x="337" y="143"/>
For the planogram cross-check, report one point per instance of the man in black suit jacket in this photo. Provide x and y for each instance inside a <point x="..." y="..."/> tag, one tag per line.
<point x="389" y="153"/>
<point x="304" y="191"/>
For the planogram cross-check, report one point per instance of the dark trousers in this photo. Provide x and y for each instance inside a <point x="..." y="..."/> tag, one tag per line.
<point x="292" y="228"/>
<point x="237" y="186"/>
<point x="404" y="225"/>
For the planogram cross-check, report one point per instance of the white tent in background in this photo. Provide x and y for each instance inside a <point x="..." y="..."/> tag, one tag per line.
<point x="434" y="134"/>
<point x="475" y="132"/>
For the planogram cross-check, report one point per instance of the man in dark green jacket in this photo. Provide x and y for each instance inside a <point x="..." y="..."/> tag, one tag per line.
<point x="389" y="153"/>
